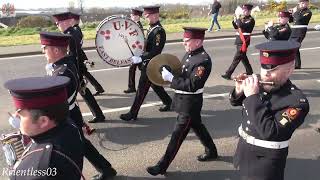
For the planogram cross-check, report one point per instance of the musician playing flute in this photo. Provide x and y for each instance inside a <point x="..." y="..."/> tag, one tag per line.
<point x="271" y="113"/>
<point x="244" y="26"/>
<point x="281" y="31"/>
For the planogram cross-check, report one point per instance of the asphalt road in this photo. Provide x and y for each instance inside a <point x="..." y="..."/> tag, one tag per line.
<point x="132" y="146"/>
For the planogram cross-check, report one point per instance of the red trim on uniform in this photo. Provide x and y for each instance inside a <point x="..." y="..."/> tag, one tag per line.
<point x="41" y="101"/>
<point x="180" y="140"/>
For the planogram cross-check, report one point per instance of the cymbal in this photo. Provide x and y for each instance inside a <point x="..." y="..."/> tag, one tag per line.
<point x="171" y="62"/>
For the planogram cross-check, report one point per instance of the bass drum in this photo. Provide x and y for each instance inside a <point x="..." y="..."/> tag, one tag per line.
<point x="119" y="38"/>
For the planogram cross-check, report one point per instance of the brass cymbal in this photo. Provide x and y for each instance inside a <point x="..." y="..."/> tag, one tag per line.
<point x="171" y="62"/>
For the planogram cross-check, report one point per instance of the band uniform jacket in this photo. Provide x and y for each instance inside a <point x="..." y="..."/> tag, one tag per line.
<point x="196" y="68"/>
<point x="270" y="116"/>
<point x="66" y="67"/>
<point x="300" y="17"/>
<point x="156" y="38"/>
<point x="56" y="154"/>
<point x="76" y="46"/>
<point x="277" y="32"/>
<point x="246" y="24"/>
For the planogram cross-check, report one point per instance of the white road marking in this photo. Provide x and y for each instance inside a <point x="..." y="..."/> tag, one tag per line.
<point x="21" y="57"/>
<point x="109" y="69"/>
<point x="318" y="81"/>
<point x="157" y="103"/>
<point x="303" y="49"/>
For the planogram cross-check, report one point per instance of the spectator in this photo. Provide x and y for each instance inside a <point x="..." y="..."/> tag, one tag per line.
<point x="214" y="12"/>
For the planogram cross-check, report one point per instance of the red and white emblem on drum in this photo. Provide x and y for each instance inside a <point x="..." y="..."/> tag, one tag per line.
<point x="118" y="39"/>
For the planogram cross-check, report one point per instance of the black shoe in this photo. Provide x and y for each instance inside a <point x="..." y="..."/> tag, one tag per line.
<point x="97" y="119"/>
<point x="129" y="90"/>
<point x="297" y="67"/>
<point x="208" y="156"/>
<point x="165" y="108"/>
<point x="108" y="174"/>
<point x="226" y="76"/>
<point x="128" y="117"/>
<point x="98" y="92"/>
<point x="155" y="170"/>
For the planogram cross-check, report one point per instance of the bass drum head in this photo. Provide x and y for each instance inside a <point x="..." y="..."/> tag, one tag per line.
<point x="118" y="38"/>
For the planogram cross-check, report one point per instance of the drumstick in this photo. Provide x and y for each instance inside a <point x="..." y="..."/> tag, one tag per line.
<point x="126" y="41"/>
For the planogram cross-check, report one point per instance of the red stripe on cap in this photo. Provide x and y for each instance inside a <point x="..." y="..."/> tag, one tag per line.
<point x="41" y="101"/>
<point x="193" y="35"/>
<point x="275" y="60"/>
<point x="151" y="11"/>
<point x="54" y="42"/>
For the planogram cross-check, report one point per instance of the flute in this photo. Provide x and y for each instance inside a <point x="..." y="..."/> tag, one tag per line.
<point x="260" y="82"/>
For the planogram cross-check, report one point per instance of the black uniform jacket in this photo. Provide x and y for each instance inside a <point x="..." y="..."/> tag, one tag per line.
<point x="246" y="24"/>
<point x="76" y="45"/>
<point x="66" y="67"/>
<point x="156" y="38"/>
<point x="55" y="154"/>
<point x="272" y="117"/>
<point x="300" y="17"/>
<point x="195" y="72"/>
<point x="277" y="32"/>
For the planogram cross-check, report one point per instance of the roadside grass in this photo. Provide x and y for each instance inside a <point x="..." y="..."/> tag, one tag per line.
<point x="25" y="36"/>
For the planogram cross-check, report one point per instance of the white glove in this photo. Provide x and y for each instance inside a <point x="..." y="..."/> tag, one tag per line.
<point x="317" y="27"/>
<point x="166" y="75"/>
<point x="136" y="59"/>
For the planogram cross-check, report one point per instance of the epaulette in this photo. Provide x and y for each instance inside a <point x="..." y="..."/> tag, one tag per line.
<point x="40" y="156"/>
<point x="60" y="69"/>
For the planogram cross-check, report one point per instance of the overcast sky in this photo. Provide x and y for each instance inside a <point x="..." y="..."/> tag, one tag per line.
<point x="34" y="4"/>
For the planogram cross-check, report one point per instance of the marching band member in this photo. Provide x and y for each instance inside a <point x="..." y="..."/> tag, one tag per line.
<point x="188" y="99"/>
<point x="301" y="16"/>
<point x="281" y="31"/>
<point x="68" y="24"/>
<point x="135" y="16"/>
<point x="55" y="47"/>
<point x="156" y="39"/>
<point x="56" y="151"/>
<point x="271" y="113"/>
<point x="244" y="26"/>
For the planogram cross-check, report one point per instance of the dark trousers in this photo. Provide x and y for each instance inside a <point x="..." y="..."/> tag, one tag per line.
<point x="132" y="77"/>
<point x="93" y="81"/>
<point x="90" y="152"/>
<point x="239" y="56"/>
<point x="181" y="130"/>
<point x="143" y="88"/>
<point x="92" y="103"/>
<point x="298" y="57"/>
